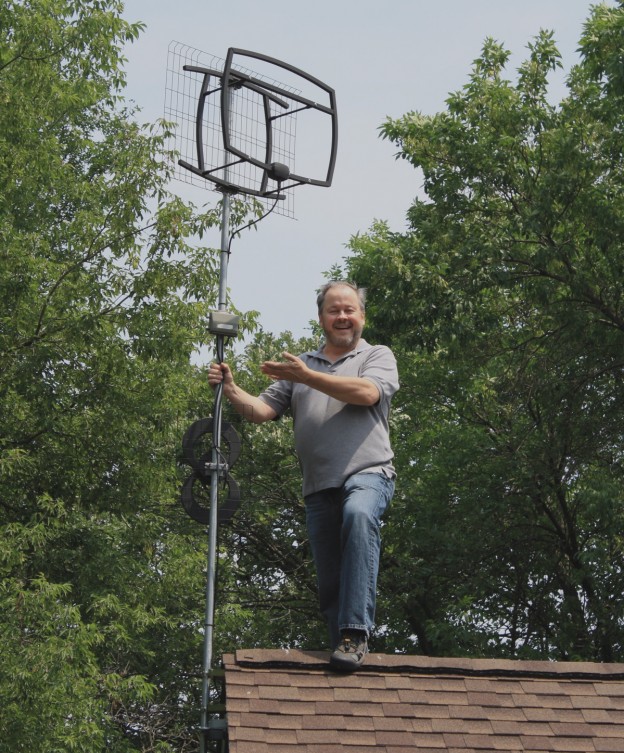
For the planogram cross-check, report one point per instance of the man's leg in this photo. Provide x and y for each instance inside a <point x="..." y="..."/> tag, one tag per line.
<point x="323" y="519"/>
<point x="365" y="498"/>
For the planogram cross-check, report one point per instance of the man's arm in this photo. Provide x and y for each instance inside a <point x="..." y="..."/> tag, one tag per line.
<point x="250" y="407"/>
<point x="352" y="390"/>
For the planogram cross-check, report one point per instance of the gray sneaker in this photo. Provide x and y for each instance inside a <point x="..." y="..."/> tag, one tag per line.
<point x="350" y="652"/>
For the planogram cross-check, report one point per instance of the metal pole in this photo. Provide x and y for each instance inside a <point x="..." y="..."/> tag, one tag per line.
<point x="216" y="466"/>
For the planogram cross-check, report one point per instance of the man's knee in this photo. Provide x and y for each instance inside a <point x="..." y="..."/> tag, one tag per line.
<point x="361" y="518"/>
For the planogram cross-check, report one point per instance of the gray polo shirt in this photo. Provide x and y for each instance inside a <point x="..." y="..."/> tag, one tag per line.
<point x="333" y="439"/>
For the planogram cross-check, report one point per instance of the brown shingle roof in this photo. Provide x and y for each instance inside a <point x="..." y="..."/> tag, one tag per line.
<point x="291" y="702"/>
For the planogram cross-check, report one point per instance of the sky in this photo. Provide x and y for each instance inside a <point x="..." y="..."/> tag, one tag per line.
<point x="383" y="59"/>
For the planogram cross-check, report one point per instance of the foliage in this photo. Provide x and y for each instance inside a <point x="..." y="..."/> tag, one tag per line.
<point x="102" y="303"/>
<point x="510" y="335"/>
<point x="505" y="535"/>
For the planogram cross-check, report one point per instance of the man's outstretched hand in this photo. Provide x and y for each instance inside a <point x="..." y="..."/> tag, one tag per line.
<point x="292" y="369"/>
<point x="352" y="390"/>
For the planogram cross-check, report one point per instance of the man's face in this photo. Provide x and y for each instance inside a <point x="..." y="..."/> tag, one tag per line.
<point x="341" y="317"/>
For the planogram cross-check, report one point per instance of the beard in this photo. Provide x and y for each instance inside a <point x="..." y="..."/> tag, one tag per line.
<point x="343" y="338"/>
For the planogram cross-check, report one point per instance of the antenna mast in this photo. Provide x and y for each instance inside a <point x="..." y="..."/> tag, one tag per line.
<point x="252" y="155"/>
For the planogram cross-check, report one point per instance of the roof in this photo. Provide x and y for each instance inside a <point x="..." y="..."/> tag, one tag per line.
<point x="289" y="701"/>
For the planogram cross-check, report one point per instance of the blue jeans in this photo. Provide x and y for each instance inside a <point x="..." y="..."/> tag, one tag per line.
<point x="343" y="528"/>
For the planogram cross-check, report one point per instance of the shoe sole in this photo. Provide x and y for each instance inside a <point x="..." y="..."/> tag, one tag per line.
<point x="345" y="665"/>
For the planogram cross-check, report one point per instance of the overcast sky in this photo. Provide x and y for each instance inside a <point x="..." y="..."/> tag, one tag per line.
<point x="382" y="59"/>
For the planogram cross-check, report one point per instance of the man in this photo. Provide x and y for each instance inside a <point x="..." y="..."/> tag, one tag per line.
<point x="340" y="398"/>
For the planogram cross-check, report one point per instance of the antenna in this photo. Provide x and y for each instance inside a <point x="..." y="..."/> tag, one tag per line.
<point x="236" y="130"/>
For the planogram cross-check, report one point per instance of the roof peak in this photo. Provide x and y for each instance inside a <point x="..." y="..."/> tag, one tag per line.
<point x="428" y="665"/>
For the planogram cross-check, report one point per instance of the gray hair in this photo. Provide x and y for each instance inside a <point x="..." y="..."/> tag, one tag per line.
<point x="361" y="293"/>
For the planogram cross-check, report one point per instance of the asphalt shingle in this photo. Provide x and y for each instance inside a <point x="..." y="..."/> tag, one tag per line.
<point x="288" y="700"/>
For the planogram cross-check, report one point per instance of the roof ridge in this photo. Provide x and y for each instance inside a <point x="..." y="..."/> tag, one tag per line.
<point x="294" y="659"/>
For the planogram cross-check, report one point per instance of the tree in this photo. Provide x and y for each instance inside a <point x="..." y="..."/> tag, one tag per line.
<point x="102" y="302"/>
<point x="510" y="334"/>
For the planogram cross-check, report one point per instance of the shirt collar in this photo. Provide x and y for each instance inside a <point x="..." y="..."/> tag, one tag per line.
<point x="362" y="345"/>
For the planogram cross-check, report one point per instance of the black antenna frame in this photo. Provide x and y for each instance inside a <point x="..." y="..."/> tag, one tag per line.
<point x="231" y="78"/>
